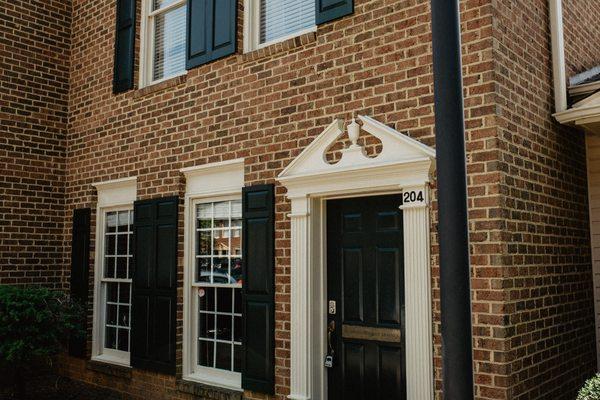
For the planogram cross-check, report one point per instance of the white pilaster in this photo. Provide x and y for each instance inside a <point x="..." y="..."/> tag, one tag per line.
<point x="301" y="301"/>
<point x="417" y="289"/>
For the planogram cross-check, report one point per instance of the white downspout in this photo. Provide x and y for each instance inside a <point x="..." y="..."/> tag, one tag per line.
<point x="558" y="55"/>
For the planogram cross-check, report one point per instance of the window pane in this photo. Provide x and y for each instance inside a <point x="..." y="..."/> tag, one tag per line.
<point x="223" y="359"/>
<point x="236" y="270"/>
<point x="109" y="267"/>
<point x="206" y="326"/>
<point x="124" y="293"/>
<point x="156" y="4"/>
<point x="206" y="299"/>
<point x="224" y="300"/>
<point x="123" y="339"/>
<point x="236" y="211"/>
<point x="111" y="292"/>
<point x="224" y="327"/>
<point x="111" y="338"/>
<point x="236" y="242"/>
<point x="237" y="362"/>
<point x="280" y="18"/>
<point x="123" y="316"/>
<point x="169" y="43"/>
<point x="111" y="314"/>
<point x="122" y="267"/>
<point x="203" y="274"/>
<point x="204" y="243"/>
<point x="111" y="222"/>
<point x="237" y="329"/>
<point x="111" y="245"/>
<point x="122" y="244"/>
<point x="123" y="221"/>
<point x="237" y="301"/>
<point x="221" y="216"/>
<point x="204" y="215"/>
<point x="205" y="353"/>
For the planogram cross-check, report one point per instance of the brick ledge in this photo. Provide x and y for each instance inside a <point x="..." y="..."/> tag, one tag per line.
<point x="208" y="392"/>
<point x="119" y="371"/>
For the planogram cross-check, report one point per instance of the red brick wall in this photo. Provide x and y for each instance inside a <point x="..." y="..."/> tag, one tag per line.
<point x="267" y="106"/>
<point x="546" y="256"/>
<point x="34" y="67"/>
<point x="582" y="35"/>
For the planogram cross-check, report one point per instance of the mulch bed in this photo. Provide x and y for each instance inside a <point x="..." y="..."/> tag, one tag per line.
<point x="53" y="387"/>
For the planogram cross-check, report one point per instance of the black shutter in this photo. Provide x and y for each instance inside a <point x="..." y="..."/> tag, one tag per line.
<point x="124" y="46"/>
<point x="154" y="298"/>
<point x="259" y="288"/>
<point x="211" y="28"/>
<point x="80" y="267"/>
<point x="328" y="10"/>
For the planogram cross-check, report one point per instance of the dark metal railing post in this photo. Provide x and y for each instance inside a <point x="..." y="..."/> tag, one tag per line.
<point x="457" y="350"/>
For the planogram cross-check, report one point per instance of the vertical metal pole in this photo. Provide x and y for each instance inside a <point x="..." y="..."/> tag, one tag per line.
<point x="457" y="350"/>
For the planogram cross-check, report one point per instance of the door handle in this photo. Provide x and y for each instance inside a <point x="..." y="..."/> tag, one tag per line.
<point x="330" y="331"/>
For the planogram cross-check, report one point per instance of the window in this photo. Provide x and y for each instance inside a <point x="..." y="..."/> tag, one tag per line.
<point x="111" y="340"/>
<point x="212" y="301"/>
<point x="163" y="40"/>
<point x="272" y="21"/>
<point x="115" y="284"/>
<point x="217" y="288"/>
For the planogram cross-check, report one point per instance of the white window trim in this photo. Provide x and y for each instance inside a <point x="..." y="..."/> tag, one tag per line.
<point x="147" y="43"/>
<point x="207" y="183"/>
<point x="115" y="195"/>
<point x="252" y="33"/>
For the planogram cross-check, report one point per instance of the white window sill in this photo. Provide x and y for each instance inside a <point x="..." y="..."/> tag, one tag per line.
<point x="160" y="85"/>
<point x="255" y="46"/>
<point x="161" y="80"/>
<point x="216" y="378"/>
<point x="113" y="359"/>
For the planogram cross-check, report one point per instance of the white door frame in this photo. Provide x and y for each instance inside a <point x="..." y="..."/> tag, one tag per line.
<point x="403" y="166"/>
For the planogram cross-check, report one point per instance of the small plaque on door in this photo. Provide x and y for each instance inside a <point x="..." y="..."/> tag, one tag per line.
<point x="371" y="333"/>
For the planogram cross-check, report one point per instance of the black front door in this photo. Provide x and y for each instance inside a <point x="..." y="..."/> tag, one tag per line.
<point x="365" y="283"/>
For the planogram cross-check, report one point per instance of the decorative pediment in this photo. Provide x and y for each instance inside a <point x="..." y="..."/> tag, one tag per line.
<point x="398" y="153"/>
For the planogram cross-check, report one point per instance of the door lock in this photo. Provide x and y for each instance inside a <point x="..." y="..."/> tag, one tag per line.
<point x="332" y="307"/>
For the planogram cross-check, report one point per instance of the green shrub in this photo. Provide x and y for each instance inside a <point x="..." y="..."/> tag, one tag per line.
<point x="35" y="324"/>
<point x="591" y="389"/>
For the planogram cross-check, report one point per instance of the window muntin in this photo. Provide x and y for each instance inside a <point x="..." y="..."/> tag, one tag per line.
<point x="282" y="18"/>
<point x="116" y="281"/>
<point x="217" y="286"/>
<point x="164" y="40"/>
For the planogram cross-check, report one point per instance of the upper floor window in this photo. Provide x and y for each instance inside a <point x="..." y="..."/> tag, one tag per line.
<point x="163" y="40"/>
<point x="272" y="21"/>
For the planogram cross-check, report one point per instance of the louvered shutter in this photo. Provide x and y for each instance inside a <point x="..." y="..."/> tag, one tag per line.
<point x="124" y="46"/>
<point x="328" y="10"/>
<point x="80" y="267"/>
<point x="211" y="30"/>
<point x="154" y="297"/>
<point x="259" y="288"/>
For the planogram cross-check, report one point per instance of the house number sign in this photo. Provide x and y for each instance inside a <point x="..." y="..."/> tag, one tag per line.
<point x="414" y="197"/>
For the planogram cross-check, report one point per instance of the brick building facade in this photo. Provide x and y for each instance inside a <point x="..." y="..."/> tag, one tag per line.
<point x="64" y="131"/>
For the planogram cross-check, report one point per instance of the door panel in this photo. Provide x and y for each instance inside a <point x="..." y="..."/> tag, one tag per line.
<point x="365" y="278"/>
